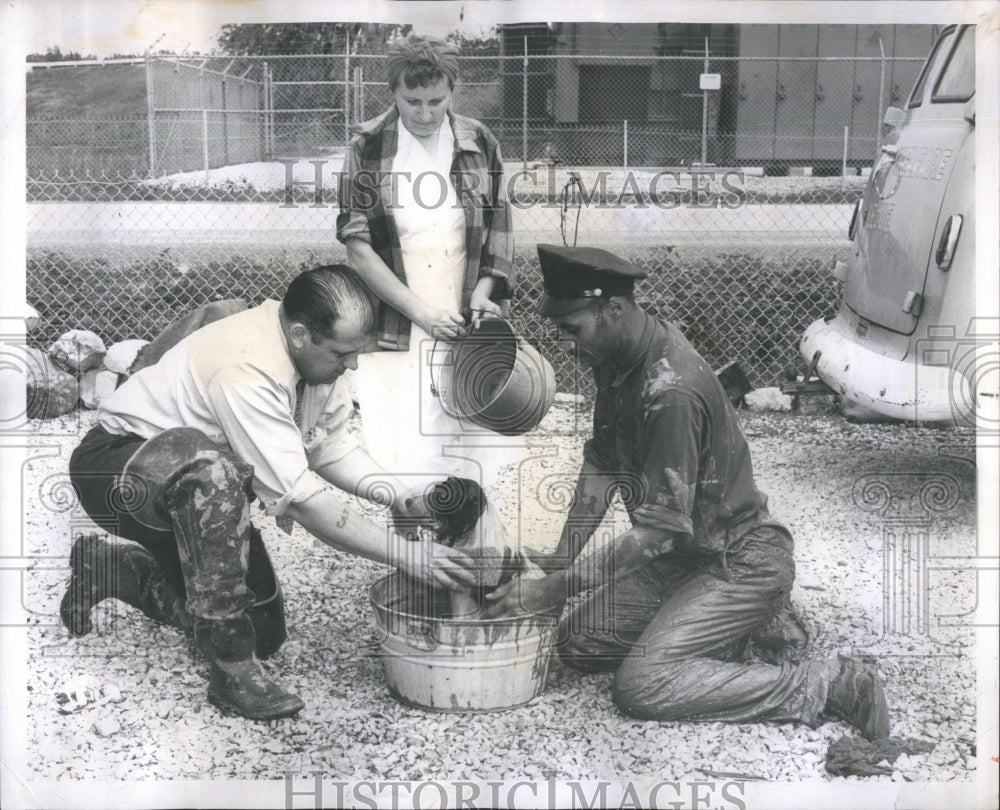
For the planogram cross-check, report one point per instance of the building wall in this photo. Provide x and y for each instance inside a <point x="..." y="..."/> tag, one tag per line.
<point x="793" y="108"/>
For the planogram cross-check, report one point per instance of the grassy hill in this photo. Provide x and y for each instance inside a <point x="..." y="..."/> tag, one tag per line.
<point x="114" y="91"/>
<point x="87" y="119"/>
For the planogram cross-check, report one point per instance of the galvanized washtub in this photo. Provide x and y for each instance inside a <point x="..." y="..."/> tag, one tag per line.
<point x="493" y="378"/>
<point x="455" y="664"/>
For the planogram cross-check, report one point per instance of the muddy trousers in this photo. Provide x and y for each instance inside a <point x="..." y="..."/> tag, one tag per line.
<point x="675" y="632"/>
<point x="210" y="564"/>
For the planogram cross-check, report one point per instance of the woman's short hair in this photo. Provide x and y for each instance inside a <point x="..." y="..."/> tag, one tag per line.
<point x="320" y="297"/>
<point x="421" y="61"/>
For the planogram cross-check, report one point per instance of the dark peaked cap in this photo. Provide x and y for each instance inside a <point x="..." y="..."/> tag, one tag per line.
<point x="575" y="276"/>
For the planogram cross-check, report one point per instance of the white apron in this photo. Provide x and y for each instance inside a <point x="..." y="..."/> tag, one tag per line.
<point x="405" y="428"/>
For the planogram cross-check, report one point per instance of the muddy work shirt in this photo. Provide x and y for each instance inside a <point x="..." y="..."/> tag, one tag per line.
<point x="665" y="428"/>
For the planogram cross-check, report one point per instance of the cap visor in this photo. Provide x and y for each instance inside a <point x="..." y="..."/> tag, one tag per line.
<point x="554" y="307"/>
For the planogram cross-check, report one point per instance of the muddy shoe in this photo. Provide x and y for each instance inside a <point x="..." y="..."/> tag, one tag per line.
<point x="857" y="697"/>
<point x="241" y="687"/>
<point x="91" y="581"/>
<point x="104" y="570"/>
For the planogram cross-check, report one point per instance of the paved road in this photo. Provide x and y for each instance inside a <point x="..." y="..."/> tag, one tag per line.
<point x="243" y="225"/>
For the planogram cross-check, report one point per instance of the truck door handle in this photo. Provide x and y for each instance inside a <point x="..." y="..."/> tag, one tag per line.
<point x="781" y="92"/>
<point x="820" y="93"/>
<point x="949" y="240"/>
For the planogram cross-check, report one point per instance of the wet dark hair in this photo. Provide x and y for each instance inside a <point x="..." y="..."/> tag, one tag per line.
<point x="320" y="297"/>
<point x="456" y="504"/>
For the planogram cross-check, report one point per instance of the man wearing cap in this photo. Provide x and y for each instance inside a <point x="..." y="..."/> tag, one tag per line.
<point x="246" y="406"/>
<point x="704" y="570"/>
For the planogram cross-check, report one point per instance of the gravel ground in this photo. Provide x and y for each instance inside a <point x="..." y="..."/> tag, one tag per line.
<point x="149" y="718"/>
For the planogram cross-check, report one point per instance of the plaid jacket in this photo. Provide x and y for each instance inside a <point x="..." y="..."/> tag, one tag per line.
<point x="478" y="178"/>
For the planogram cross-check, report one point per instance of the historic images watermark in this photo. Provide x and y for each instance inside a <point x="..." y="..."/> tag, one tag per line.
<point x="972" y="357"/>
<point x="911" y="510"/>
<point x="319" y="791"/>
<point x="666" y="188"/>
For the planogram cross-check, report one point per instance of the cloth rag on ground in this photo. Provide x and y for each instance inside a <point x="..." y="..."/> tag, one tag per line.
<point x="856" y="756"/>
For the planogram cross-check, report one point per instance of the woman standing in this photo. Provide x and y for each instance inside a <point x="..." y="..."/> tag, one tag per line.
<point x="426" y="221"/>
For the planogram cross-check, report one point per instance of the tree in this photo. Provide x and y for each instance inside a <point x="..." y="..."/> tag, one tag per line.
<point x="484" y="43"/>
<point x="54" y="54"/>
<point x="265" y="39"/>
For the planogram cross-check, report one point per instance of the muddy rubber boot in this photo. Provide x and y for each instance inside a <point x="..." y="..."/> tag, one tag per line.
<point x="268" y="618"/>
<point x="268" y="610"/>
<point x="856" y="696"/>
<point x="237" y="683"/>
<point x="106" y="570"/>
<point x="782" y="639"/>
<point x="209" y="512"/>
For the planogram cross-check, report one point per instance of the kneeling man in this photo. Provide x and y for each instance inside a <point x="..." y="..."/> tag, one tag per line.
<point x="704" y="570"/>
<point x="248" y="406"/>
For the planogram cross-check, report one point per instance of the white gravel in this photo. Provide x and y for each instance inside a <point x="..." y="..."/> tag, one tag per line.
<point x="151" y="720"/>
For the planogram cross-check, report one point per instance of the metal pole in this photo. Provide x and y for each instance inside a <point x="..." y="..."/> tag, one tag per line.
<point x="881" y="96"/>
<point x="524" y="108"/>
<point x="625" y="143"/>
<point x="347" y="86"/>
<point x="268" y="114"/>
<point x="204" y="141"/>
<point x="704" y="114"/>
<point x="843" y="164"/>
<point x="359" y="94"/>
<point x="150" y="116"/>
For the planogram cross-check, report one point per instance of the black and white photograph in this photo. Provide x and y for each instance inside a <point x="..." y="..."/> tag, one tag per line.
<point x="640" y="363"/>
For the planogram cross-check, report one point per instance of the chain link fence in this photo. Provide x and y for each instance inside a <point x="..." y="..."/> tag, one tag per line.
<point x="681" y="181"/>
<point x="742" y="282"/>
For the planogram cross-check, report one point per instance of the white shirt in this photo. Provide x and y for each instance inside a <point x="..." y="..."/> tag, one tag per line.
<point x="234" y="380"/>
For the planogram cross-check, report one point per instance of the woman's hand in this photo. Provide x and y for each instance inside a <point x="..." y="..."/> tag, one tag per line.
<point x="481" y="304"/>
<point x="481" y="307"/>
<point x="441" y="323"/>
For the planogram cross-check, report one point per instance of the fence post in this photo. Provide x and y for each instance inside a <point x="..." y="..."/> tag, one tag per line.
<point x="704" y="114"/>
<point x="150" y="116"/>
<point x="347" y="86"/>
<point x="881" y="97"/>
<point x="204" y="141"/>
<point x="359" y="94"/>
<point x="265" y="88"/>
<point x="268" y="122"/>
<point x="625" y="143"/>
<point x="843" y="162"/>
<point x="524" y="108"/>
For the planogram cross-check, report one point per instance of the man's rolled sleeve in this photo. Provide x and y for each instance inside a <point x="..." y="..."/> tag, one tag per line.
<point x="308" y="485"/>
<point x="254" y="415"/>
<point x="670" y="458"/>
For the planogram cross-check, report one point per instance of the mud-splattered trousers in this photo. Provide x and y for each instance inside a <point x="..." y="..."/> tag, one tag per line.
<point x="211" y="562"/>
<point x="675" y="632"/>
<point x="665" y="431"/>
